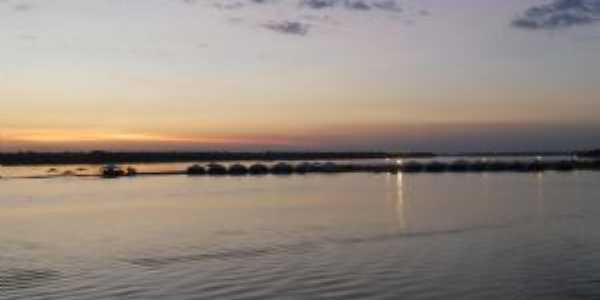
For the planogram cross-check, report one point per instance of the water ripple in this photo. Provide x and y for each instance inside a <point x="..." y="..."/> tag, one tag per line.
<point x="155" y="262"/>
<point x="306" y="246"/>
<point x="16" y="279"/>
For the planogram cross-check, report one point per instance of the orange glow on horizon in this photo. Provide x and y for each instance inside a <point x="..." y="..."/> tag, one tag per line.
<point x="45" y="136"/>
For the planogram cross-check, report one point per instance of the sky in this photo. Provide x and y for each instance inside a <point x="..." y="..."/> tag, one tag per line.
<point x="317" y="75"/>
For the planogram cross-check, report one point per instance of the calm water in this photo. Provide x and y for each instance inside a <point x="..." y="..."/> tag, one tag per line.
<point x="347" y="236"/>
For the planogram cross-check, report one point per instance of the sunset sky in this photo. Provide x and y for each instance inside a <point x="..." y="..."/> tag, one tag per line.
<point x="420" y="75"/>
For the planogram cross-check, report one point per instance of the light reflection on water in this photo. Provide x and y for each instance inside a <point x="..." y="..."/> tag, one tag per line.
<point x="346" y="236"/>
<point x="400" y="202"/>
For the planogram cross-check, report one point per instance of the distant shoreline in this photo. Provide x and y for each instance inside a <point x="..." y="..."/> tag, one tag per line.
<point x="104" y="157"/>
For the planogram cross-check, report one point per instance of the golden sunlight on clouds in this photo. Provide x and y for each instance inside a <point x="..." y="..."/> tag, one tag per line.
<point x="53" y="136"/>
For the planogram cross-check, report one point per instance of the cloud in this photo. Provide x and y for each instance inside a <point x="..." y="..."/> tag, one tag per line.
<point x="22" y="7"/>
<point x="288" y="27"/>
<point x="354" y="5"/>
<point x="559" y="14"/>
<point x="229" y="5"/>
<point x="18" y="6"/>
<point x="224" y="4"/>
<point x="290" y="10"/>
<point x="310" y="11"/>
<point x="359" y="5"/>
<point x="233" y="4"/>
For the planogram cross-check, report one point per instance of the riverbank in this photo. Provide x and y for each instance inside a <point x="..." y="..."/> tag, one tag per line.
<point x="105" y="157"/>
<point x="102" y="157"/>
<point x="312" y="167"/>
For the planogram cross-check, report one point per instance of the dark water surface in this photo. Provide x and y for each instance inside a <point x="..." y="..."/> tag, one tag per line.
<point x="348" y="236"/>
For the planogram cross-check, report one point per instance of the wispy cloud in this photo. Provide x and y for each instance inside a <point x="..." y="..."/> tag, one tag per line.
<point x="356" y="5"/>
<point x="360" y="5"/>
<point x="559" y="14"/>
<point x="288" y="12"/>
<point x="22" y="7"/>
<point x="288" y="27"/>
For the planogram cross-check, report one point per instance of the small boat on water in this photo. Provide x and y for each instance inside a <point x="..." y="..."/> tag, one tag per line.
<point x="282" y="169"/>
<point x="111" y="171"/>
<point x="216" y="169"/>
<point x="196" y="170"/>
<point x="131" y="171"/>
<point x="238" y="169"/>
<point x="258" y="169"/>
